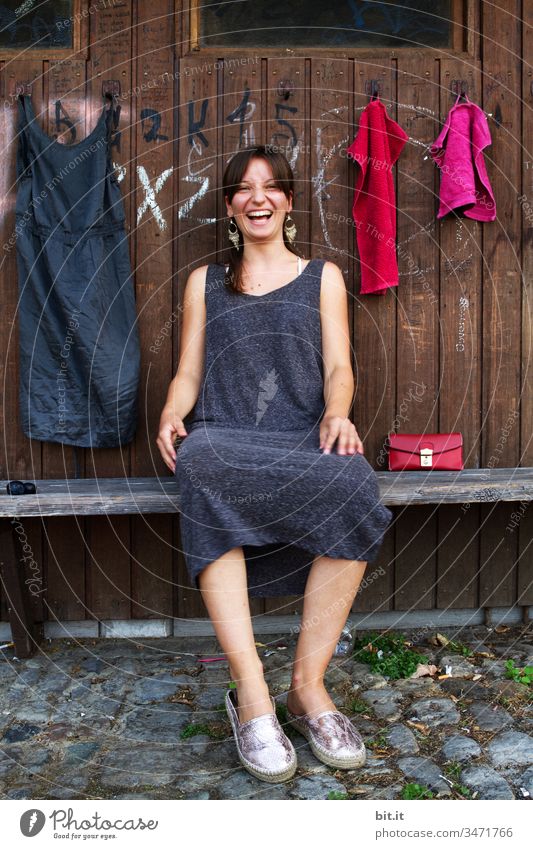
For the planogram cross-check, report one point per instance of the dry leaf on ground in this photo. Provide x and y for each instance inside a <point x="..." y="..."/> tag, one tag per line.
<point x="438" y="640"/>
<point x="424" y="669"/>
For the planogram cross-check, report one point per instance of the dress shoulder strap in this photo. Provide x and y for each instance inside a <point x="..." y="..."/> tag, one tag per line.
<point x="299" y="265"/>
<point x="24" y="163"/>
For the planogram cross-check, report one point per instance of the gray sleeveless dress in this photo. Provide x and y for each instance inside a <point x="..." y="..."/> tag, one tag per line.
<point x="250" y="472"/>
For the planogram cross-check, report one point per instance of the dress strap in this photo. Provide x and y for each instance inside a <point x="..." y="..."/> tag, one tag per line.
<point x="23" y="143"/>
<point x="299" y="265"/>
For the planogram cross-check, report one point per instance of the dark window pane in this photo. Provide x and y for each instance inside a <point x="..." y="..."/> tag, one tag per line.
<point x="35" y="24"/>
<point x="300" y="23"/>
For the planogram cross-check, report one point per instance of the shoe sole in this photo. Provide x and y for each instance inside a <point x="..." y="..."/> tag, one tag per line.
<point x="329" y="760"/>
<point x="272" y="778"/>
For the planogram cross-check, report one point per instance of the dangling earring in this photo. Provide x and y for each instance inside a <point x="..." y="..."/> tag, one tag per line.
<point x="289" y="228"/>
<point x="233" y="235"/>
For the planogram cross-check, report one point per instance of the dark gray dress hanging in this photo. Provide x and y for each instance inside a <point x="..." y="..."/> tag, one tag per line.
<point x="78" y="336"/>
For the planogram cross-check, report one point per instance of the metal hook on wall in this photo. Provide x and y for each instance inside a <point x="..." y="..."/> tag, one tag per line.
<point x="373" y="88"/>
<point x="22" y="88"/>
<point x="459" y="89"/>
<point x="111" y="90"/>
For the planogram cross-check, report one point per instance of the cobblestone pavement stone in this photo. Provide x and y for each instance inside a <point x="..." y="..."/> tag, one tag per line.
<point x="122" y="719"/>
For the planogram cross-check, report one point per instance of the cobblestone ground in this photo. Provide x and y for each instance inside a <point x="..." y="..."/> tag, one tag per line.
<point x="116" y="719"/>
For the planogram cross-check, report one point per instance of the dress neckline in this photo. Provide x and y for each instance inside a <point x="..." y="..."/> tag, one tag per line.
<point x="290" y="283"/>
<point x="34" y="124"/>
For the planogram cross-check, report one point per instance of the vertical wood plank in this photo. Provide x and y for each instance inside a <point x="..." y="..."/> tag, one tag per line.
<point x="525" y="531"/>
<point x="501" y="292"/>
<point x="109" y="579"/>
<point x="154" y="166"/>
<point x="16" y="592"/>
<point x="285" y="102"/>
<point x="374" y="344"/>
<point x="418" y="299"/>
<point x="330" y="130"/>
<point x="64" y="551"/>
<point x="460" y="323"/>
<point x="243" y="124"/>
<point x="286" y="128"/>
<point x="21" y="457"/>
<point x="198" y="149"/>
<point x="65" y="565"/>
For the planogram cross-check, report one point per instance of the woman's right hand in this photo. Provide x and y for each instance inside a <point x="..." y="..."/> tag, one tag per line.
<point x="170" y="426"/>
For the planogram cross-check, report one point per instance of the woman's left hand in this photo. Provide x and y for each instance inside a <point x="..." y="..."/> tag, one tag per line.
<point x="336" y="428"/>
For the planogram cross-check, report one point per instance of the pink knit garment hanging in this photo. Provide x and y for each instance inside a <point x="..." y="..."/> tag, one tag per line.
<point x="458" y="152"/>
<point x="376" y="148"/>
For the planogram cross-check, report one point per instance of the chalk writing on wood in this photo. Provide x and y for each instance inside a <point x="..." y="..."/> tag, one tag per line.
<point x="321" y="183"/>
<point x="64" y="121"/>
<point x="196" y="171"/>
<point x="151" y="133"/>
<point x="292" y="149"/>
<point x="150" y="192"/>
<point x="243" y="114"/>
<point x="284" y="123"/>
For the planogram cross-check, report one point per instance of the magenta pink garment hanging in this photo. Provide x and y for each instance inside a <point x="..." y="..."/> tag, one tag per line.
<point x="458" y="152"/>
<point x="376" y="148"/>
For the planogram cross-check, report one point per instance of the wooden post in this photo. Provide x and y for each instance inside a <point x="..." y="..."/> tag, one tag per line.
<point x="12" y="576"/>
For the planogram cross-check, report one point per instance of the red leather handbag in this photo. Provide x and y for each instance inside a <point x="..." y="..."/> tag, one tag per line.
<point x="417" y="451"/>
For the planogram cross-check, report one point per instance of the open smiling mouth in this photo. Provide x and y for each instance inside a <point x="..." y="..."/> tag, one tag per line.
<point x="258" y="216"/>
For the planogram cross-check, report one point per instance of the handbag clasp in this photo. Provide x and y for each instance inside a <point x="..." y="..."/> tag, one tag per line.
<point x="426" y="456"/>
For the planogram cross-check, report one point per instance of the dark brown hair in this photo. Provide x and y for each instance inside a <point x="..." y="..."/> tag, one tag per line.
<point x="233" y="175"/>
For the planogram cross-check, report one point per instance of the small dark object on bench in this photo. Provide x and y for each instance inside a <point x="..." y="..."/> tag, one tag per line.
<point x="21" y="488"/>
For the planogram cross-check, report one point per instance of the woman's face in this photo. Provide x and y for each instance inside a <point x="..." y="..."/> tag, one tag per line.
<point x="257" y="193"/>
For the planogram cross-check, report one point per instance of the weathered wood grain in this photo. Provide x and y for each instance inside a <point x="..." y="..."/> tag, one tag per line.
<point x="21" y="457"/>
<point x="502" y="292"/>
<point x="199" y="208"/>
<point x="64" y="553"/>
<point x="108" y="557"/>
<point x="460" y="359"/>
<point x="374" y="335"/>
<point x="125" y="496"/>
<point x="152" y="553"/>
<point x="416" y="383"/>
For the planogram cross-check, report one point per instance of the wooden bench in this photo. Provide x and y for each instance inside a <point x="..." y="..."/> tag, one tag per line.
<point x="132" y="496"/>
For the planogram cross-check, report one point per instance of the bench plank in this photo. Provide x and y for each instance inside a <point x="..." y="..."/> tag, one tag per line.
<point x="120" y="496"/>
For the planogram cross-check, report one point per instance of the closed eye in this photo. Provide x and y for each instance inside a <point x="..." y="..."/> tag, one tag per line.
<point x="269" y="188"/>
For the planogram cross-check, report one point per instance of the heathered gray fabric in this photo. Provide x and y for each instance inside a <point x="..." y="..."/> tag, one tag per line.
<point x="250" y="471"/>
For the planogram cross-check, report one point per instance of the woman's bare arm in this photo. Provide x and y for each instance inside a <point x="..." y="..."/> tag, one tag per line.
<point x="339" y="383"/>
<point x="184" y="388"/>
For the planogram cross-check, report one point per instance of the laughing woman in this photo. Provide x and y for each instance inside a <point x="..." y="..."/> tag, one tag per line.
<point x="276" y="497"/>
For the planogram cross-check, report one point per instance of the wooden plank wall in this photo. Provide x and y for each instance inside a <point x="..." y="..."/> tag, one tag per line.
<point x="449" y="349"/>
<point x="525" y="528"/>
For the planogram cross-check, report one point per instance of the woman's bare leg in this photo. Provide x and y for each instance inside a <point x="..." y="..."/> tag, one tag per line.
<point x="224" y="590"/>
<point x="329" y="594"/>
